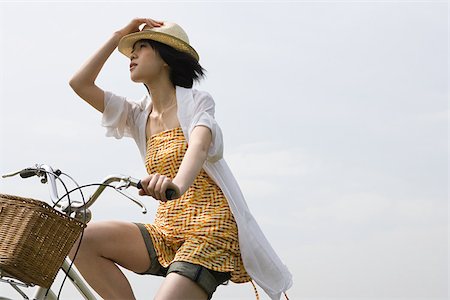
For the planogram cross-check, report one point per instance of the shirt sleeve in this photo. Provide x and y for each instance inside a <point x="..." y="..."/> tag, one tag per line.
<point x="204" y="115"/>
<point x="119" y="115"/>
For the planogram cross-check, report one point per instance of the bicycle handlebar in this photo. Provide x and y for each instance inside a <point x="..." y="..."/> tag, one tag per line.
<point x="47" y="172"/>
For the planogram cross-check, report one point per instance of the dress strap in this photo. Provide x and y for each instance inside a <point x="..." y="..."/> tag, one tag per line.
<point x="256" y="291"/>
<point x="285" y="295"/>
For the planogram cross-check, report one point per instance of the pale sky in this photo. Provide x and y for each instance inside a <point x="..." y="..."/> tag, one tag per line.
<point x="335" y="124"/>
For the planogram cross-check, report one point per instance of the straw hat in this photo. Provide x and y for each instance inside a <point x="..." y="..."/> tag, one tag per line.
<point x="169" y="33"/>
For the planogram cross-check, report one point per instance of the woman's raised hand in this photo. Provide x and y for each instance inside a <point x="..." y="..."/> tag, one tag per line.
<point x="133" y="26"/>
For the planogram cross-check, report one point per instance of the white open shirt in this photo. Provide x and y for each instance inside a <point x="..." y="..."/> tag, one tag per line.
<point x="125" y="117"/>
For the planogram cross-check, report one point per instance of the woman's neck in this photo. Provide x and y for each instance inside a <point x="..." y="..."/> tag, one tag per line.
<point x="163" y="96"/>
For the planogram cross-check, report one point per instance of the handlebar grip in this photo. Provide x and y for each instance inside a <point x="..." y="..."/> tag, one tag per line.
<point x="25" y="173"/>
<point x="169" y="192"/>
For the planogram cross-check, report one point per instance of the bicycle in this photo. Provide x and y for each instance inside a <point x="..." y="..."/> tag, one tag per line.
<point x="76" y="210"/>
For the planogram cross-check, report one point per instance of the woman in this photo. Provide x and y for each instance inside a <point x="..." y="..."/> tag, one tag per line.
<point x="194" y="242"/>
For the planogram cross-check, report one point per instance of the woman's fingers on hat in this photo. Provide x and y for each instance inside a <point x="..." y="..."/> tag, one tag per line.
<point x="132" y="27"/>
<point x="138" y="21"/>
<point x="153" y="23"/>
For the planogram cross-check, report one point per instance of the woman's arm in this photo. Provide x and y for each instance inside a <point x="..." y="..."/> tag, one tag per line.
<point x="83" y="82"/>
<point x="155" y="185"/>
<point x="194" y="158"/>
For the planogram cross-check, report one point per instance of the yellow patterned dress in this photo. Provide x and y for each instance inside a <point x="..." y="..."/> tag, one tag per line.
<point x="199" y="227"/>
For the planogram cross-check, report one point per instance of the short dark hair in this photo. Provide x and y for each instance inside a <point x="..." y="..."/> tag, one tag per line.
<point x="184" y="68"/>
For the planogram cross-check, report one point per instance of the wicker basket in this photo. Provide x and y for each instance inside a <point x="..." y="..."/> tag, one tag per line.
<point x="34" y="239"/>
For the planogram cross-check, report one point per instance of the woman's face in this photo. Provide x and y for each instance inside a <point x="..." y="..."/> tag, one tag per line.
<point x="145" y="63"/>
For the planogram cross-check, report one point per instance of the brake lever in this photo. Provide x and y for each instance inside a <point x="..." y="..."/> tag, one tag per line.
<point x="138" y="202"/>
<point x="123" y="185"/>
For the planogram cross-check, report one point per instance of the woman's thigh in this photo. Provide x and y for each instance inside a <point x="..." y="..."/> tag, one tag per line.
<point x="119" y="241"/>
<point x="176" y="286"/>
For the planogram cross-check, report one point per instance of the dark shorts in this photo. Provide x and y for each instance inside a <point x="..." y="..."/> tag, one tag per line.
<point x="207" y="279"/>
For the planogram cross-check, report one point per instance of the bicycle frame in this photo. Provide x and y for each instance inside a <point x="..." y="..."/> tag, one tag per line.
<point x="73" y="274"/>
<point x="76" y="279"/>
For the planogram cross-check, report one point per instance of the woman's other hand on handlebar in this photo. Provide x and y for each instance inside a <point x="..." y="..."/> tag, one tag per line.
<point x="155" y="185"/>
<point x="133" y="26"/>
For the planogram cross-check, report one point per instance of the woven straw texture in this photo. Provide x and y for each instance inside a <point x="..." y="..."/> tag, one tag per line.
<point x="34" y="239"/>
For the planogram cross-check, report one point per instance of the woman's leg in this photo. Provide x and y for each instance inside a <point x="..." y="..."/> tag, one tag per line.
<point x="104" y="244"/>
<point x="176" y="286"/>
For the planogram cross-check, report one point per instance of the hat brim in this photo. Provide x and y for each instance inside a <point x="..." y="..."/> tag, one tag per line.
<point x="127" y="42"/>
